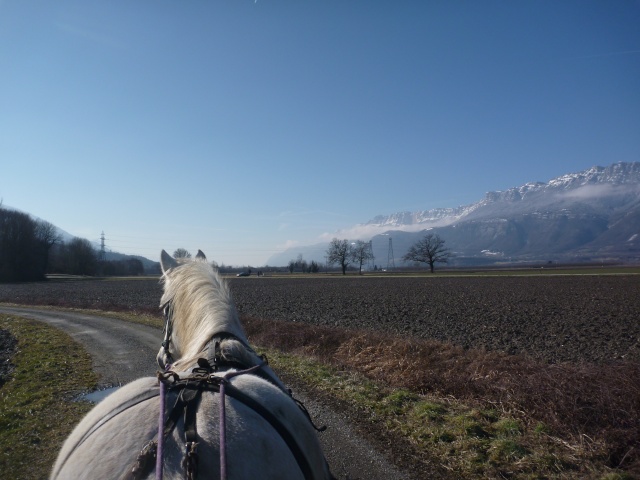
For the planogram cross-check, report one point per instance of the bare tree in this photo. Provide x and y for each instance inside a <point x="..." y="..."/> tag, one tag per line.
<point x="81" y="257"/>
<point x="429" y="250"/>
<point x="47" y="236"/>
<point x="134" y="266"/>
<point x="362" y="253"/>
<point x="181" y="253"/>
<point x="24" y="246"/>
<point x="47" y="233"/>
<point x="301" y="263"/>
<point x="340" y="252"/>
<point x="17" y="247"/>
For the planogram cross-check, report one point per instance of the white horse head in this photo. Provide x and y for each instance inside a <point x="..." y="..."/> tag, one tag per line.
<point x="267" y="435"/>
<point x="197" y="305"/>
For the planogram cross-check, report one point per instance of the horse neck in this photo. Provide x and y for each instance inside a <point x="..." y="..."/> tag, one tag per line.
<point x="193" y="330"/>
<point x="221" y="324"/>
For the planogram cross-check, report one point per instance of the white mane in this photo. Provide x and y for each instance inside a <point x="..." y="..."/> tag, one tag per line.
<point x="201" y="307"/>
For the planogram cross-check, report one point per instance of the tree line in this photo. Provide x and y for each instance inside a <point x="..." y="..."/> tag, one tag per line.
<point x="303" y="266"/>
<point x="429" y="250"/>
<point x="25" y="245"/>
<point x="29" y="249"/>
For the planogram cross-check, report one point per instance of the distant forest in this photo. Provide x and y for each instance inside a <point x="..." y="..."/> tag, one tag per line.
<point x="30" y="249"/>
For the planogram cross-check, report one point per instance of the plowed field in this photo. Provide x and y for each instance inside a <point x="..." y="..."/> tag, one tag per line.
<point x="555" y="318"/>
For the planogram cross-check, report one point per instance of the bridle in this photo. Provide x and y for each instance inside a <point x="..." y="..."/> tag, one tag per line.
<point x="167" y="312"/>
<point x="203" y="379"/>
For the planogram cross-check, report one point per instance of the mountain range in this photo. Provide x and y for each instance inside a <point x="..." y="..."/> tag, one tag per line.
<point x="588" y="216"/>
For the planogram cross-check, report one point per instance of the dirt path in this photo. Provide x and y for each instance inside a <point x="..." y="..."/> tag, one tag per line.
<point x="123" y="351"/>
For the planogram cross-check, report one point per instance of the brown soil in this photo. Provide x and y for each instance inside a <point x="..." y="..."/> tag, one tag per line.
<point x="552" y="318"/>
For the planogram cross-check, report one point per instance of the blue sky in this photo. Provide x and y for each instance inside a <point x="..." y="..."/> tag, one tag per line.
<point x="242" y="127"/>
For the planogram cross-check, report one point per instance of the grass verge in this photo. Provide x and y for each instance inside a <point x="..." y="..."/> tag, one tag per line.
<point x="466" y="441"/>
<point x="36" y="411"/>
<point x="475" y="414"/>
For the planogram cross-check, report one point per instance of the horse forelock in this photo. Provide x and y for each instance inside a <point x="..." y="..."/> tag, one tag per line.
<point x="201" y="306"/>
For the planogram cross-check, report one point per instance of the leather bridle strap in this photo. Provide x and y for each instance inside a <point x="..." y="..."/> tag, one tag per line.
<point x="168" y="331"/>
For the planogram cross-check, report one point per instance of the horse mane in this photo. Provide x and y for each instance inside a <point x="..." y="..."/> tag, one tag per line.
<point x="201" y="307"/>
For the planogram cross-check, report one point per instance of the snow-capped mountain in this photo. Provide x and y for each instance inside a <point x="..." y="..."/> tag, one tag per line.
<point x="595" y="186"/>
<point x="584" y="216"/>
<point x="436" y="216"/>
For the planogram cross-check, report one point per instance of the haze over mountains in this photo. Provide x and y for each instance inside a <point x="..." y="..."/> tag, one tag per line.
<point x="593" y="215"/>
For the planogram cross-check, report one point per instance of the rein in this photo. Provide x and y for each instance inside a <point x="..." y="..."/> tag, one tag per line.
<point x="160" y="450"/>
<point x="190" y="387"/>
<point x="202" y="379"/>
<point x="223" y="416"/>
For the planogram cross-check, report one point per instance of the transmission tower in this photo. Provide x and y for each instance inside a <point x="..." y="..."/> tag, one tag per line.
<point x="102" y="252"/>
<point x="371" y="262"/>
<point x="390" y="261"/>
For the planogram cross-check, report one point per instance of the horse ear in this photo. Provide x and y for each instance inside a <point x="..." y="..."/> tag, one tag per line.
<point x="200" y="255"/>
<point x="167" y="261"/>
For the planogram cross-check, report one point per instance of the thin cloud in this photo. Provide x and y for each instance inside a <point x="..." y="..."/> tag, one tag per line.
<point x="366" y="232"/>
<point x="288" y="244"/>
<point x="587" y="192"/>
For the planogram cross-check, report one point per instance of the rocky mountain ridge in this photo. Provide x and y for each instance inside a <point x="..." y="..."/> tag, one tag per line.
<point x="591" y="184"/>
<point x="592" y="215"/>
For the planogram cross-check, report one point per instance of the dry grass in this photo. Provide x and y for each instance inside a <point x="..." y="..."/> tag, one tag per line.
<point x="526" y="417"/>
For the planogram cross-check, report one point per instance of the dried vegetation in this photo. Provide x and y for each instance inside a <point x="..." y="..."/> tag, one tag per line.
<point x="484" y="414"/>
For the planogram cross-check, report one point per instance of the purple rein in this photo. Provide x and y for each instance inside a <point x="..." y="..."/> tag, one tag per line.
<point x="223" y="423"/>
<point x="159" y="452"/>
